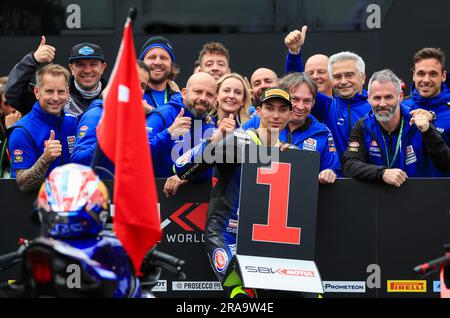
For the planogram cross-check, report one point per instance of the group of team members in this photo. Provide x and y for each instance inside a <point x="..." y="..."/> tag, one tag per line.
<point x="375" y="135"/>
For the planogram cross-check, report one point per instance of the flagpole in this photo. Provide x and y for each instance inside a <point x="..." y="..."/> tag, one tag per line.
<point x="98" y="153"/>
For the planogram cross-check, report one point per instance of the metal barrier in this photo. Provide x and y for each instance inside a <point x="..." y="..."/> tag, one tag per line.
<point x="363" y="231"/>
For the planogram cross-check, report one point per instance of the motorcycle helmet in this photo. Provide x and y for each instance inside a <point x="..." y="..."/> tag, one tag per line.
<point x="72" y="202"/>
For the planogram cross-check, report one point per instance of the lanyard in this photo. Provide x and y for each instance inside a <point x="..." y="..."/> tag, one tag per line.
<point x="154" y="99"/>
<point x="390" y="163"/>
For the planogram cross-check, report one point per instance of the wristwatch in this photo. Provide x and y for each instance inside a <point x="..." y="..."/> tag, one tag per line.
<point x="433" y="114"/>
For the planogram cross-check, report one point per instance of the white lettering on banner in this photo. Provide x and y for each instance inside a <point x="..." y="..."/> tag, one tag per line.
<point x="161" y="286"/>
<point x="344" y="287"/>
<point x="185" y="238"/>
<point x="199" y="286"/>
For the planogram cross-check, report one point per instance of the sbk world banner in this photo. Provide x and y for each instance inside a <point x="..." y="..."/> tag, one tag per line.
<point x="190" y="217"/>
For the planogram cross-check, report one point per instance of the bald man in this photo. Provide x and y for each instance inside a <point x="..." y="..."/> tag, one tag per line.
<point x="317" y="68"/>
<point x="174" y="128"/>
<point x="261" y="79"/>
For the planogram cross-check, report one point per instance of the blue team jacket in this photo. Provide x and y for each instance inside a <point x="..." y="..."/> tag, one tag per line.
<point x="87" y="141"/>
<point x="161" y="143"/>
<point x="340" y="115"/>
<point x="441" y="106"/>
<point x="411" y="156"/>
<point x="315" y="137"/>
<point x="28" y="136"/>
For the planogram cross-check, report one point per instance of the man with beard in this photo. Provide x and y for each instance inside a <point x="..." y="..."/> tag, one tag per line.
<point x="388" y="144"/>
<point x="183" y="116"/>
<point x="430" y="92"/>
<point x="157" y="53"/>
<point x="86" y="63"/>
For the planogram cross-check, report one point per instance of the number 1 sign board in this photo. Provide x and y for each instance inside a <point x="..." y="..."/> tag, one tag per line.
<point x="277" y="219"/>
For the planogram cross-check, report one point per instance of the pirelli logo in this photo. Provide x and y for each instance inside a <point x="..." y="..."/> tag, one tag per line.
<point x="279" y="92"/>
<point x="407" y="286"/>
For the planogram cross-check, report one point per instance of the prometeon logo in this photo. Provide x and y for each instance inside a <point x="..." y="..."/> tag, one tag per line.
<point x="407" y="286"/>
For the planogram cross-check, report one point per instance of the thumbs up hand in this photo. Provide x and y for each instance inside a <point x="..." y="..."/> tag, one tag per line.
<point x="180" y="126"/>
<point x="227" y="125"/>
<point x="295" y="40"/>
<point x="53" y="148"/>
<point x="44" y="53"/>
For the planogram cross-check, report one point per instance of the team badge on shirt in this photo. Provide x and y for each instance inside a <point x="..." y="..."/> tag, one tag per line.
<point x="331" y="146"/>
<point x="71" y="143"/>
<point x="374" y="149"/>
<point x="220" y="259"/>
<point x="82" y="131"/>
<point x="353" y="146"/>
<point x="310" y="144"/>
<point x="410" y="155"/>
<point x="18" y="156"/>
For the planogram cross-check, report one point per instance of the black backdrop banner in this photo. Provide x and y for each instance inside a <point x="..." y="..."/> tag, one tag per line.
<point x="362" y="230"/>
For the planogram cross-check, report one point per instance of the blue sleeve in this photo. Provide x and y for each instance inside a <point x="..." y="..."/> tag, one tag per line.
<point x="86" y="138"/>
<point x="321" y="106"/>
<point x="22" y="150"/>
<point x="329" y="158"/>
<point x="253" y="122"/>
<point x="159" y="137"/>
<point x="294" y="63"/>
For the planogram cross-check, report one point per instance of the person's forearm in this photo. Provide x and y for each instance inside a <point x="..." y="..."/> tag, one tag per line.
<point x="30" y="180"/>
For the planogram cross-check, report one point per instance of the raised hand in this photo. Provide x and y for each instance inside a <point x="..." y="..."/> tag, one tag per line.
<point x="295" y="40"/>
<point x="44" y="53"/>
<point x="180" y="126"/>
<point x="53" y="148"/>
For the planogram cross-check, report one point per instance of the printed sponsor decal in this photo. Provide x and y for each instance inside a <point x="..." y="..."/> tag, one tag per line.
<point x="71" y="143"/>
<point x="410" y="155"/>
<point x="353" y="144"/>
<point x="184" y="159"/>
<point x="198" y="286"/>
<point x="374" y="148"/>
<point x="220" y="258"/>
<point x="407" y="286"/>
<point x="18" y="159"/>
<point x="436" y="286"/>
<point x="18" y="152"/>
<point x="310" y="144"/>
<point x="86" y="50"/>
<point x="84" y="128"/>
<point x="161" y="286"/>
<point x="344" y="287"/>
<point x="232" y="226"/>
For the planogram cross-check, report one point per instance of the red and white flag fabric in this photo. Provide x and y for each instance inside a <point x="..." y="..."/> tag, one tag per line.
<point x="123" y="139"/>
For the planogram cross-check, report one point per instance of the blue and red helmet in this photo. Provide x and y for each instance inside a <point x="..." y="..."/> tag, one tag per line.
<point x="72" y="202"/>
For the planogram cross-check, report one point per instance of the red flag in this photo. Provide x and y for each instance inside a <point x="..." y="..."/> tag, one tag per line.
<point x="123" y="139"/>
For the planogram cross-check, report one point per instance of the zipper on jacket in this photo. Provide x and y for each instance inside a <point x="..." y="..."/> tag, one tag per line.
<point x="349" y="118"/>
